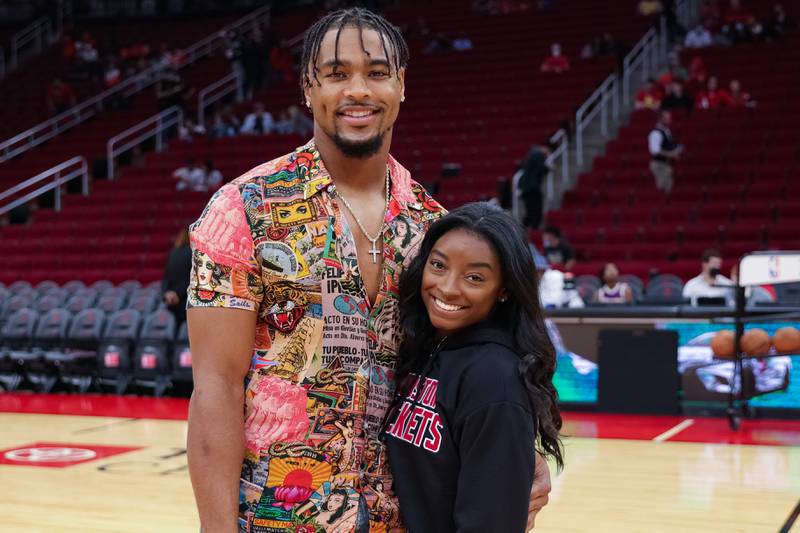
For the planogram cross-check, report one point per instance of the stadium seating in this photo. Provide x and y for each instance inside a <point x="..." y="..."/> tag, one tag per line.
<point x="734" y="189"/>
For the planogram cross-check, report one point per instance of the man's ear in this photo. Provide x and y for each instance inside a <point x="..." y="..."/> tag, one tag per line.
<point x="401" y="77"/>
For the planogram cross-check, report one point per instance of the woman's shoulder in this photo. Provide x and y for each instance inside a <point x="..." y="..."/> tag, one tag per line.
<point x="487" y="373"/>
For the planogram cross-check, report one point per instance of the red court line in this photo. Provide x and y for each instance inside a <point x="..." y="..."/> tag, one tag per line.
<point x="613" y="426"/>
<point x="763" y="432"/>
<point x="95" y="405"/>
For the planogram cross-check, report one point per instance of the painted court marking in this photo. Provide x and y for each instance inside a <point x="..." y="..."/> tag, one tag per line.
<point x="674" y="430"/>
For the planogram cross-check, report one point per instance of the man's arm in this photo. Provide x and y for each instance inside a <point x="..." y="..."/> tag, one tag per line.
<point x="222" y="346"/>
<point x="540" y="492"/>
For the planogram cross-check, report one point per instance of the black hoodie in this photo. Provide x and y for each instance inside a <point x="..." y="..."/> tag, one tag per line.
<point x="461" y="439"/>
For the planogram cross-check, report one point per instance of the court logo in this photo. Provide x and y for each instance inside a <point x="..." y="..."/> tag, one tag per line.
<point x="58" y="454"/>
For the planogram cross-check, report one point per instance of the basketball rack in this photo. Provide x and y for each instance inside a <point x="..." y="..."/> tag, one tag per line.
<point x="757" y="268"/>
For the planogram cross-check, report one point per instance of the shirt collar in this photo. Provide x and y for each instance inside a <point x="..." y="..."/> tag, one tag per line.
<point x="316" y="178"/>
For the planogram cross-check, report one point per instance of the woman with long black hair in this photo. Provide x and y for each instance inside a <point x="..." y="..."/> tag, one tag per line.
<point x="475" y="397"/>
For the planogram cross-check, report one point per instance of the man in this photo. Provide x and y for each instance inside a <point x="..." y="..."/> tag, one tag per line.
<point x="664" y="151"/>
<point x="649" y="96"/>
<point x="698" y="37"/>
<point x="710" y="283"/>
<point x="190" y="177"/>
<point x="534" y="172"/>
<point x="294" y="294"/>
<point x="555" y="62"/>
<point x="676" y="98"/>
<point x="557" y="251"/>
<point x="259" y="122"/>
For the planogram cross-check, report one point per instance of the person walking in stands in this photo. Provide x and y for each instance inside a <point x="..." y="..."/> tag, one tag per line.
<point x="534" y="173"/>
<point x="176" y="277"/>
<point x="664" y="151"/>
<point x="294" y="322"/>
<point x="475" y="392"/>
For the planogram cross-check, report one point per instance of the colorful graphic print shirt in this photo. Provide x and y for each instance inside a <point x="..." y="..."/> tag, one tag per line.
<point x="274" y="241"/>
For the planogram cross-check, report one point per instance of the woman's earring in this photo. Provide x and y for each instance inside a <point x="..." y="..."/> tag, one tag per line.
<point x="503" y="299"/>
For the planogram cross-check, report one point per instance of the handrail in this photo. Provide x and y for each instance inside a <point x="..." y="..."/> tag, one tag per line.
<point x="60" y="179"/>
<point x="560" y="153"/>
<point x="39" y="32"/>
<point x="70" y="118"/>
<point x="217" y="91"/>
<point x="640" y="55"/>
<point x="598" y="102"/>
<point x="154" y="126"/>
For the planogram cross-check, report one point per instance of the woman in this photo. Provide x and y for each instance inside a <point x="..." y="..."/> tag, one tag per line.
<point x="476" y="398"/>
<point x="613" y="291"/>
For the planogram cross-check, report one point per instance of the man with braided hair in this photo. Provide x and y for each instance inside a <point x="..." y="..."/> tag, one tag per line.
<point x="296" y="336"/>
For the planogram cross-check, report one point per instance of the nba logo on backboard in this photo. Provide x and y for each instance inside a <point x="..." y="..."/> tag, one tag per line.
<point x="185" y="359"/>
<point x="148" y="360"/>
<point x="111" y="359"/>
<point x="774" y="266"/>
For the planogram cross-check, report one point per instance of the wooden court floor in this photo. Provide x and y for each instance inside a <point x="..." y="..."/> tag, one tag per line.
<point x="68" y="465"/>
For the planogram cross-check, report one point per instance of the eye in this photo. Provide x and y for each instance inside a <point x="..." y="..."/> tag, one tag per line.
<point x="283" y="213"/>
<point x="336" y="75"/>
<point x="436" y="264"/>
<point x="302" y="210"/>
<point x="474" y="278"/>
<point x="378" y="74"/>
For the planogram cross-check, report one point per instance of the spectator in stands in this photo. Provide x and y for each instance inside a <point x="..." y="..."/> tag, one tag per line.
<point x="534" y="174"/>
<point x="650" y="8"/>
<point x="712" y="96"/>
<point x="462" y="44"/>
<point x="556" y="249"/>
<point x="664" y="151"/>
<point x="112" y="75"/>
<point x="171" y="91"/>
<point x="676" y="98"/>
<point x="253" y="65"/>
<point x="698" y="37"/>
<point x="188" y="130"/>
<point x="175" y="282"/>
<point x="710" y="15"/>
<point x="737" y="97"/>
<point x="299" y="123"/>
<point x="613" y="291"/>
<point x="212" y="178"/>
<point x="779" y="23"/>
<point x="710" y="283"/>
<point x="649" y="96"/>
<point x="68" y="49"/>
<point x="738" y="23"/>
<point x="258" y="122"/>
<point x="60" y="96"/>
<point x="439" y="43"/>
<point x="190" y="177"/>
<point x="225" y="124"/>
<point x="556" y="62"/>
<point x="234" y="54"/>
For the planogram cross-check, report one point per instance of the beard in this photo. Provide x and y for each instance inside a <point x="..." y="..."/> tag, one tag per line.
<point x="358" y="149"/>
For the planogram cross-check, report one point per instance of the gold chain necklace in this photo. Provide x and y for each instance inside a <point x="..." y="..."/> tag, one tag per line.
<point x="374" y="251"/>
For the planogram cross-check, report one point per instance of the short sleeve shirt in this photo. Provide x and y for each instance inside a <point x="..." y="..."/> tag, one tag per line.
<point x="274" y="242"/>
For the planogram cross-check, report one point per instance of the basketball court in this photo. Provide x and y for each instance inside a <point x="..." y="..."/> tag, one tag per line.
<point x="118" y="464"/>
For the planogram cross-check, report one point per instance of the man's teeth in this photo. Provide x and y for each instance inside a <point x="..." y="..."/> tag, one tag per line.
<point x="358" y="114"/>
<point x="447" y="307"/>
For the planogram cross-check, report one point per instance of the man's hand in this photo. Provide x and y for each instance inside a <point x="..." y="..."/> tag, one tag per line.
<point x="540" y="492"/>
<point x="171" y="298"/>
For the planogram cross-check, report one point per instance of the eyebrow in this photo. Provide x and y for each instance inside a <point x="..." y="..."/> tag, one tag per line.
<point x="333" y="63"/>
<point x="471" y="265"/>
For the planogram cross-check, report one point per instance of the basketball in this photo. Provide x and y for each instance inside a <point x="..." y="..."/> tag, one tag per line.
<point x="787" y="340"/>
<point x="722" y="344"/>
<point x="755" y="342"/>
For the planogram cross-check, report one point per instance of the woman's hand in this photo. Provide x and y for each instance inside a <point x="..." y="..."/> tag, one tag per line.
<point x="540" y="491"/>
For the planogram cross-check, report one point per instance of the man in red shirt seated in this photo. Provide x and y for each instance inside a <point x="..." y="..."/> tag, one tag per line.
<point x="555" y="62"/>
<point x="712" y="96"/>
<point x="649" y="96"/>
<point x="738" y="97"/>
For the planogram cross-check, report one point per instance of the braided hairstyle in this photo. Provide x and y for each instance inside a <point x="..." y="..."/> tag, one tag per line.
<point x="391" y="39"/>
